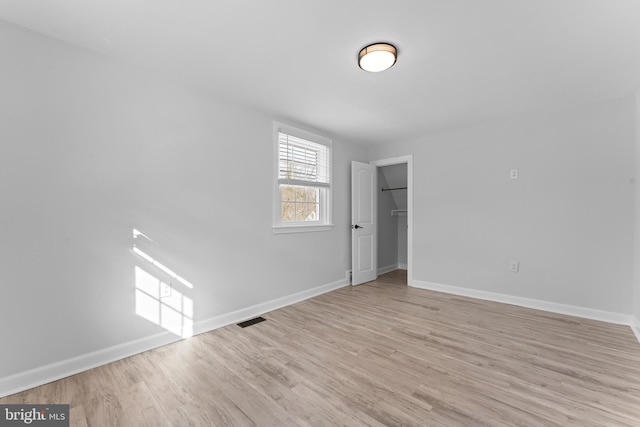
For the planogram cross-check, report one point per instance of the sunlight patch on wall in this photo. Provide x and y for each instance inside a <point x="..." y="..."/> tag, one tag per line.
<point x="159" y="303"/>
<point x="157" y="300"/>
<point x="163" y="268"/>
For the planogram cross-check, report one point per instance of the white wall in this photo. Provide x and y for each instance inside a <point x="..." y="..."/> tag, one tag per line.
<point x="91" y="149"/>
<point x="568" y="220"/>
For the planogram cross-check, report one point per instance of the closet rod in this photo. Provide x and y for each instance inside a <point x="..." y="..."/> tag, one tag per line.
<point x="397" y="188"/>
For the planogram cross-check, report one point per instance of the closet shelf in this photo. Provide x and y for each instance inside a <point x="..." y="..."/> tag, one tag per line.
<point x="398" y="212"/>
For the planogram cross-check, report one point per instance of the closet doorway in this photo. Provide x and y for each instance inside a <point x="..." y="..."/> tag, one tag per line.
<point x="395" y="215"/>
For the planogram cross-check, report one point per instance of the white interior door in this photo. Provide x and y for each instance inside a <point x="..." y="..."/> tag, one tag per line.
<point x="364" y="209"/>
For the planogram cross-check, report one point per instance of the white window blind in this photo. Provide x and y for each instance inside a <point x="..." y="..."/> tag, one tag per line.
<point x="303" y="162"/>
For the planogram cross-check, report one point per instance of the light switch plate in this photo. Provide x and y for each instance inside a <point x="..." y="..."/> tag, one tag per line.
<point x="514" y="266"/>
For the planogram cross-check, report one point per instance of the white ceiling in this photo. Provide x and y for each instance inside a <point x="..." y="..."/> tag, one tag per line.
<point x="459" y="61"/>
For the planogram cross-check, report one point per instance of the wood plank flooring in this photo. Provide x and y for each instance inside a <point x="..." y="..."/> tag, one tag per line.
<point x="377" y="354"/>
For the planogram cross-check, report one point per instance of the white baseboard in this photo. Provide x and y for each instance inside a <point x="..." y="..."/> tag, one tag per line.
<point x="403" y="266"/>
<point x="256" y="310"/>
<point x="387" y="269"/>
<point x="571" y="310"/>
<point x="45" y="374"/>
<point x="42" y="375"/>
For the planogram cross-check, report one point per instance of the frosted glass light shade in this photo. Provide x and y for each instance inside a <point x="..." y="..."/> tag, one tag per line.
<point x="377" y="57"/>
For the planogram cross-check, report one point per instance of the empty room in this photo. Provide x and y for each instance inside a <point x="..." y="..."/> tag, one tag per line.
<point x="318" y="213"/>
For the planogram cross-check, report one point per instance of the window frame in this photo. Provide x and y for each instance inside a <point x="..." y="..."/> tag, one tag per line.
<point x="325" y="211"/>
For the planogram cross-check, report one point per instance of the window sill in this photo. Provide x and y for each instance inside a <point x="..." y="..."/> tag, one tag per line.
<point x="284" y="229"/>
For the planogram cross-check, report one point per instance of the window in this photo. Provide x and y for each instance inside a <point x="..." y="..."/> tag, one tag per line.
<point x="302" y="181"/>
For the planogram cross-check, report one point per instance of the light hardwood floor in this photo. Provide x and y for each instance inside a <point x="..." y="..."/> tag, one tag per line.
<point x="377" y="354"/>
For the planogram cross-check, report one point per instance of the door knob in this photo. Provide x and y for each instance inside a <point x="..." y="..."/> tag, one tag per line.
<point x="356" y="226"/>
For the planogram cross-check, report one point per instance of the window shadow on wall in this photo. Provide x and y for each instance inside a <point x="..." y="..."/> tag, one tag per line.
<point x="160" y="294"/>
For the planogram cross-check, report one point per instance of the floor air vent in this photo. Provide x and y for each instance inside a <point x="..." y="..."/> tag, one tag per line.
<point x="251" y="322"/>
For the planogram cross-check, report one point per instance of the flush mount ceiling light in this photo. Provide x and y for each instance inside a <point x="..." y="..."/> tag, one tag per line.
<point x="377" y="57"/>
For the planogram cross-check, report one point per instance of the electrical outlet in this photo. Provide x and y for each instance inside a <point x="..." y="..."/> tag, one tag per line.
<point x="513" y="174"/>
<point x="165" y="290"/>
<point x="514" y="266"/>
